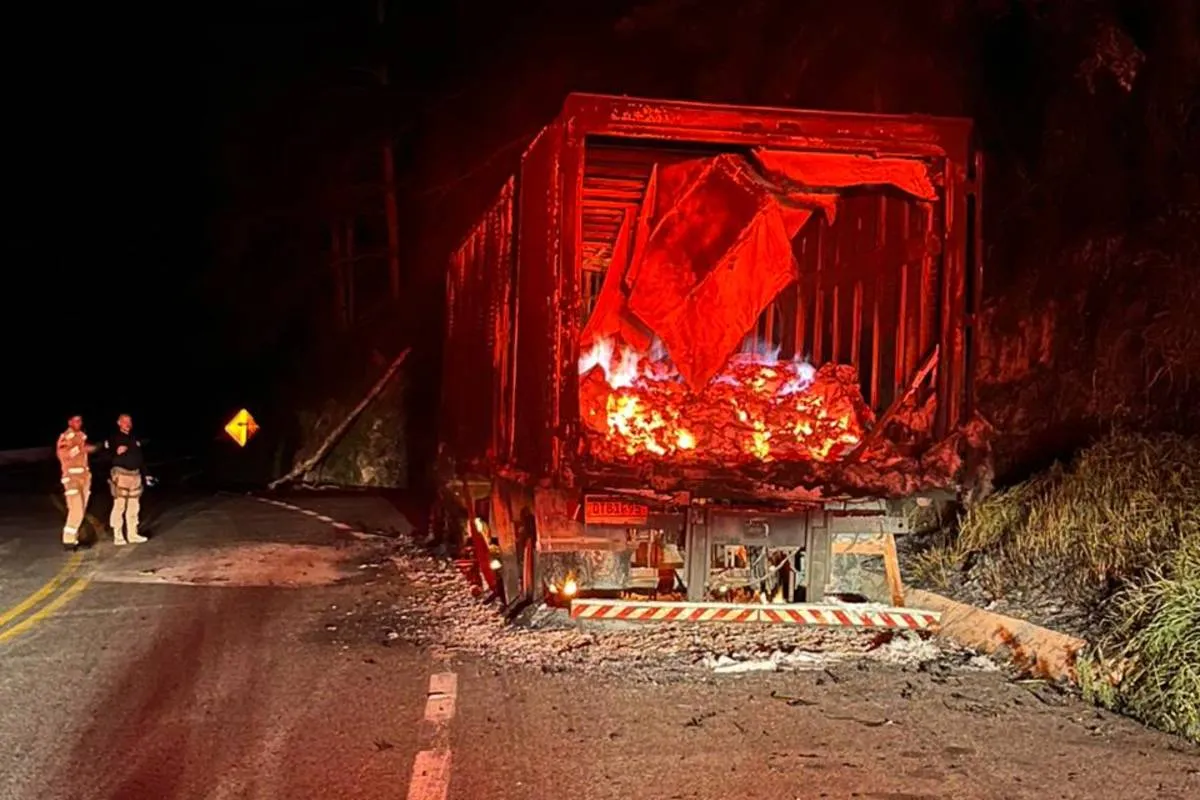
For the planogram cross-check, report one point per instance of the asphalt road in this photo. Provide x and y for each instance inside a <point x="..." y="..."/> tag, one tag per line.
<point x="214" y="662"/>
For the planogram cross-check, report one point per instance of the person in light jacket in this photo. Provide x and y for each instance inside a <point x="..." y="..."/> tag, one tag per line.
<point x="72" y="451"/>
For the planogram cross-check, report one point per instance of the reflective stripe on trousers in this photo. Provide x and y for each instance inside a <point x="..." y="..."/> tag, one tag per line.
<point x="77" y="490"/>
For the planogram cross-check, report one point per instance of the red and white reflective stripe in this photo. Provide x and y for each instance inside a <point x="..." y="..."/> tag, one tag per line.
<point x="661" y="612"/>
<point x="911" y="619"/>
<point x="796" y="614"/>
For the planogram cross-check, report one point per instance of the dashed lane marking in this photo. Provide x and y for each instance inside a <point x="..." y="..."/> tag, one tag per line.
<point x="439" y="703"/>
<point x="431" y="767"/>
<point x="341" y="526"/>
<point x="431" y="775"/>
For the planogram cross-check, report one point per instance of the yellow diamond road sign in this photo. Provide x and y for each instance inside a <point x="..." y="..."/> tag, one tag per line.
<point x="241" y="427"/>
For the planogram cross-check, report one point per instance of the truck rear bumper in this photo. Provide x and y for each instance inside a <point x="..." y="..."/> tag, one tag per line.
<point x="824" y="614"/>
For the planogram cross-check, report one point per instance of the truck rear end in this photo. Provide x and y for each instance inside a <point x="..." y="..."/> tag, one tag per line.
<point x="713" y="355"/>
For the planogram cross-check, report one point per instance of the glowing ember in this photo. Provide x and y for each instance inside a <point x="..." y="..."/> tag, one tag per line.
<point x="758" y="409"/>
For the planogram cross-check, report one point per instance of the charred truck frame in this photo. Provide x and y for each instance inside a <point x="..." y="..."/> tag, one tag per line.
<point x="712" y="355"/>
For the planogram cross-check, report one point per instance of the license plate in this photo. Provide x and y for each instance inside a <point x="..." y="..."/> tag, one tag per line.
<point x="614" y="511"/>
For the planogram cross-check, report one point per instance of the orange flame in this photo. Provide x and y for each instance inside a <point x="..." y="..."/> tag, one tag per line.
<point x="758" y="409"/>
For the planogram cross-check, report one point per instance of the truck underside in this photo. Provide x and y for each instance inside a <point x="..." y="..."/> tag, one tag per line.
<point x="556" y="547"/>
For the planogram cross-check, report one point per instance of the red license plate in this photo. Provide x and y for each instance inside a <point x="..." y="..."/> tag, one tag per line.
<point x="614" y="511"/>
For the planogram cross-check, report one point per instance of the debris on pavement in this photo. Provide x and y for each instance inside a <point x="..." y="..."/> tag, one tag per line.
<point x="431" y="605"/>
<point x="282" y="565"/>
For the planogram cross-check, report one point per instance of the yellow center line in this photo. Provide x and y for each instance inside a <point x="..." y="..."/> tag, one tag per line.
<point x="63" y="574"/>
<point x="16" y="630"/>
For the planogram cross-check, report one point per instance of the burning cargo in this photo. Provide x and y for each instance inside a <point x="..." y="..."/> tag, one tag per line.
<point x="710" y="352"/>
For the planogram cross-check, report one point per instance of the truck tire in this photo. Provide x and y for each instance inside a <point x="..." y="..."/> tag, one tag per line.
<point x="527" y="554"/>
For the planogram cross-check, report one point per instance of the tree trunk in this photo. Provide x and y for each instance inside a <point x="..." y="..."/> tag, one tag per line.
<point x="393" y="217"/>
<point x="348" y="272"/>
<point x="390" y="205"/>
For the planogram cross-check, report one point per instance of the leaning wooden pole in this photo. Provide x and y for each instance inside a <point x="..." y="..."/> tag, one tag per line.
<point x="337" y="433"/>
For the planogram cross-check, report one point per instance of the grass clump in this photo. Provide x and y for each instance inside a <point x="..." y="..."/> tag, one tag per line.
<point x="1127" y="503"/>
<point x="1153" y="672"/>
<point x="1117" y="531"/>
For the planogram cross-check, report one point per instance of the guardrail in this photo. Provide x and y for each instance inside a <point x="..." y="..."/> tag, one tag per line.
<point x="30" y="455"/>
<point x="35" y="455"/>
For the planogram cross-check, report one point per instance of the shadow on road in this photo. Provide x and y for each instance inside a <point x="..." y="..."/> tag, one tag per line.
<point x="188" y="701"/>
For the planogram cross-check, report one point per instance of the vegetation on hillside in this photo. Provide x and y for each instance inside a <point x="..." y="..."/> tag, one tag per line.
<point x="1117" y="531"/>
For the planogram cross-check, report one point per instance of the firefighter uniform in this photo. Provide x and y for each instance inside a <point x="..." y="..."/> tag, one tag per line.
<point x="125" y="481"/>
<point x="76" y="481"/>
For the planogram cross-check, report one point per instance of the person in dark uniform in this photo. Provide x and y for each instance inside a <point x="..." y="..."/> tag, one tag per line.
<point x="125" y="481"/>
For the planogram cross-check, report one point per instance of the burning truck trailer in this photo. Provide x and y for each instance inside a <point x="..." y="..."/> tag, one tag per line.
<point x="702" y="361"/>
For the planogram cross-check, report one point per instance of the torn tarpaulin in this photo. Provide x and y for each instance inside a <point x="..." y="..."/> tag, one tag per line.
<point x="711" y="247"/>
<point x="718" y="254"/>
<point x="611" y="317"/>
<point x="840" y="170"/>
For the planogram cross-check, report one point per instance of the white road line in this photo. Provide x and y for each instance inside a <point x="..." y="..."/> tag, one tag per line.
<point x="439" y="703"/>
<point x="431" y="775"/>
<point x="341" y="526"/>
<point x="431" y="768"/>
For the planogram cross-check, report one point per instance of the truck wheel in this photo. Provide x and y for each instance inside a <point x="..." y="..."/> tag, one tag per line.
<point x="527" y="554"/>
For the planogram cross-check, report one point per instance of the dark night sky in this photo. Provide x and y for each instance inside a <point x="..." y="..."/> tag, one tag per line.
<point x="117" y="182"/>
<point x="122" y="123"/>
<point x="106" y="170"/>
<point x="120" y="181"/>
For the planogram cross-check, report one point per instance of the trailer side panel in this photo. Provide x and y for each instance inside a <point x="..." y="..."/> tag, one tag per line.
<point x="476" y="395"/>
<point x="536" y="312"/>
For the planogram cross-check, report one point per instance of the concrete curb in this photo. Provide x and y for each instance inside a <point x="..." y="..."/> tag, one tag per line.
<point x="1041" y="652"/>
